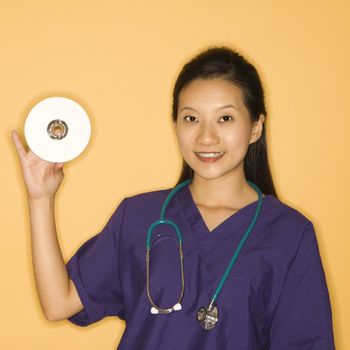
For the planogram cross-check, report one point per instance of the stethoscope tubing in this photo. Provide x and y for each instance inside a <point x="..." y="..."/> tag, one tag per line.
<point x="163" y="221"/>
<point x="240" y="245"/>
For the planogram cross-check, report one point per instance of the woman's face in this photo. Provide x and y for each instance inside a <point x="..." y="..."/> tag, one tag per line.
<point x="212" y="118"/>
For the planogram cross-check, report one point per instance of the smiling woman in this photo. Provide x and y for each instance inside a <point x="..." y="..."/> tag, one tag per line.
<point x="218" y="106"/>
<point x="274" y="291"/>
<point x="214" y="126"/>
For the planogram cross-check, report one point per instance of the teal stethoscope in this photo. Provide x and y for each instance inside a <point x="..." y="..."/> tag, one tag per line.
<point x="206" y="316"/>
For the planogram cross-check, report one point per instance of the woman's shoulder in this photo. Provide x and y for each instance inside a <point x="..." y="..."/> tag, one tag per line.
<point x="282" y="209"/>
<point x="147" y="199"/>
<point x="151" y="195"/>
<point x="285" y="220"/>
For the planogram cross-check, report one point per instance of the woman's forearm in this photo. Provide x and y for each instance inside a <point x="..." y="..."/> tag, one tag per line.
<point x="50" y="272"/>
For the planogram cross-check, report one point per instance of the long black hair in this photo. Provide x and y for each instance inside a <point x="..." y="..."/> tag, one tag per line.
<point x="223" y="62"/>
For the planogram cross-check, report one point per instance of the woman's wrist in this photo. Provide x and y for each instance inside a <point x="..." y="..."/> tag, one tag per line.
<point x="41" y="200"/>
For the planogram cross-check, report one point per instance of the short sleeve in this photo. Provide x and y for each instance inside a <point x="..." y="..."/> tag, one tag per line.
<point x="303" y="318"/>
<point x="94" y="269"/>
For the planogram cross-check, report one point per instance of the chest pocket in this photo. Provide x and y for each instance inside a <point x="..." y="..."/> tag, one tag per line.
<point x="251" y="293"/>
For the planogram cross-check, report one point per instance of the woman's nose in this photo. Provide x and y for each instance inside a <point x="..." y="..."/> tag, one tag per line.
<point x="207" y="135"/>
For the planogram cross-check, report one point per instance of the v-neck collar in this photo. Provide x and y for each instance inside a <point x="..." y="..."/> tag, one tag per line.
<point x="234" y="221"/>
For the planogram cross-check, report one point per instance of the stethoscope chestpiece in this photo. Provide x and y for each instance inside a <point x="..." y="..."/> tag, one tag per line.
<point x="207" y="317"/>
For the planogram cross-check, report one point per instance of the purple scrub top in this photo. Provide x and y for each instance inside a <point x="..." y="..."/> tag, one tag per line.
<point x="275" y="298"/>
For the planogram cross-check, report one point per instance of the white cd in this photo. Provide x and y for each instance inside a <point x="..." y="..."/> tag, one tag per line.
<point x="57" y="129"/>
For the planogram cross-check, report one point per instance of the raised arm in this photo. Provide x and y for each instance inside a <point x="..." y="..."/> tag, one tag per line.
<point x="57" y="293"/>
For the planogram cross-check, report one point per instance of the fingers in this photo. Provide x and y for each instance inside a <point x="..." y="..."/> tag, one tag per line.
<point x="20" y="149"/>
<point x="59" y="165"/>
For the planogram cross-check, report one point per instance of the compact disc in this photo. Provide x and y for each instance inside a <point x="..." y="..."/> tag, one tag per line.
<point x="57" y="129"/>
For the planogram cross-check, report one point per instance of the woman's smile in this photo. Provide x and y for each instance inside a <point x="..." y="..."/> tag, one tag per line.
<point x="209" y="156"/>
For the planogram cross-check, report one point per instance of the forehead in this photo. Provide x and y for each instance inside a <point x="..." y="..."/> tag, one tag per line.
<point x="215" y="92"/>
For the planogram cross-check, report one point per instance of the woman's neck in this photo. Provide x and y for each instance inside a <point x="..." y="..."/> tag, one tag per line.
<point x="224" y="192"/>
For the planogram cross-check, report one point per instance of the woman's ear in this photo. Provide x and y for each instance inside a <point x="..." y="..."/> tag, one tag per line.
<point x="257" y="129"/>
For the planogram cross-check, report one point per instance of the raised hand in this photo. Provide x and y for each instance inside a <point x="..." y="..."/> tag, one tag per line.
<point x="42" y="178"/>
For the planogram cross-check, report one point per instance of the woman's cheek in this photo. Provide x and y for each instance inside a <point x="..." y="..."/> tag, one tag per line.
<point x="236" y="138"/>
<point x="185" y="139"/>
<point x="184" y="145"/>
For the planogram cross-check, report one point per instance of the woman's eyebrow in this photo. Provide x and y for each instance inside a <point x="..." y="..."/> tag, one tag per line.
<point x="227" y="106"/>
<point x="190" y="108"/>
<point x="222" y="107"/>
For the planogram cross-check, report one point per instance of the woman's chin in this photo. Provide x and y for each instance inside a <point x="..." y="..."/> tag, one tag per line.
<point x="208" y="175"/>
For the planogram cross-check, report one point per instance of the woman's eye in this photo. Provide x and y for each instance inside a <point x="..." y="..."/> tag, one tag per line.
<point x="226" y="117"/>
<point x="191" y="118"/>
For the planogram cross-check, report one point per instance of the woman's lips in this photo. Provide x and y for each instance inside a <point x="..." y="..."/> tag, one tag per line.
<point x="208" y="158"/>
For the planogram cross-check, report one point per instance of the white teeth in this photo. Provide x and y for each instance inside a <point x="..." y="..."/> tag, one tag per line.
<point x="210" y="155"/>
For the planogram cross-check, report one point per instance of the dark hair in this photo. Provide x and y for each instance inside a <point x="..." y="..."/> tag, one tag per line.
<point x="223" y="62"/>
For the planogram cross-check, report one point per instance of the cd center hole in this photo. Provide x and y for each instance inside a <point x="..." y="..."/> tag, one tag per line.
<point x="58" y="130"/>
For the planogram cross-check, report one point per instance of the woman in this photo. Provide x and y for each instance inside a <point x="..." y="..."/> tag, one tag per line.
<point x="251" y="275"/>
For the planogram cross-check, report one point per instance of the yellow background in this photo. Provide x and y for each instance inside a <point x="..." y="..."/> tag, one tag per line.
<point x="120" y="59"/>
